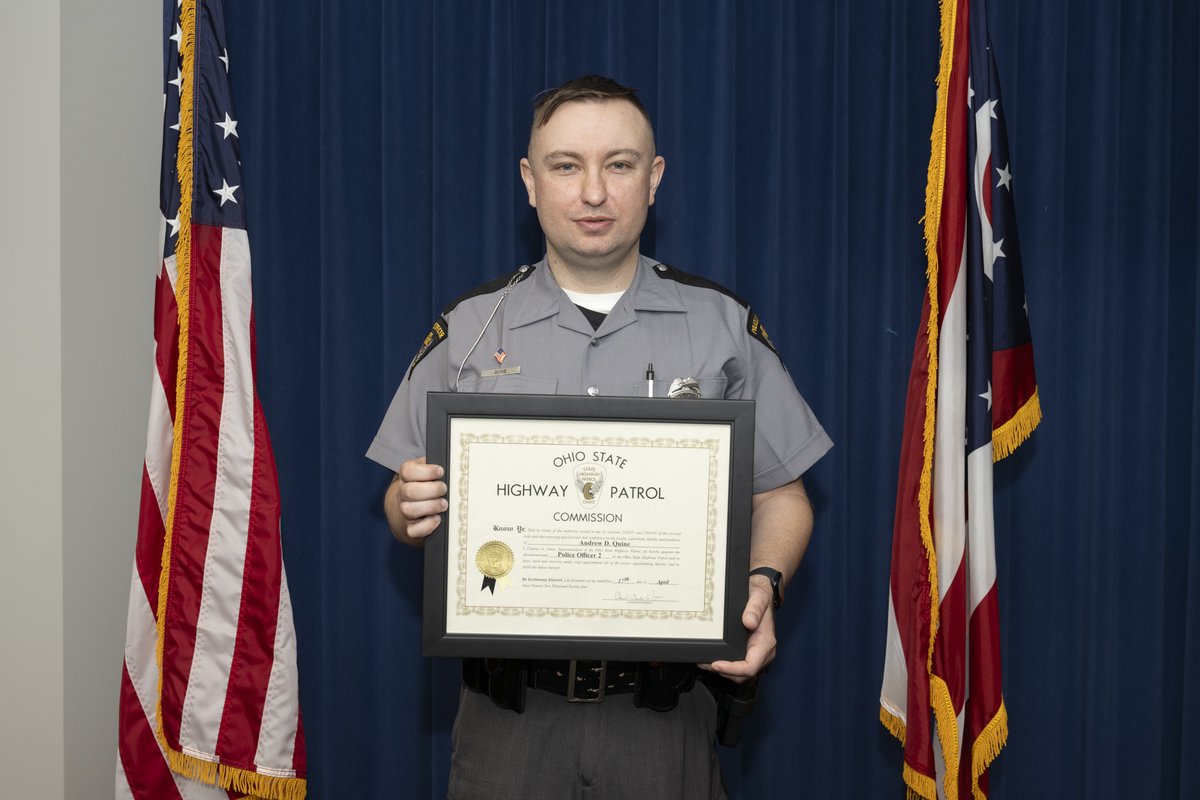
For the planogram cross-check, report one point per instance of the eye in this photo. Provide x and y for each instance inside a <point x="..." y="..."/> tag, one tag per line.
<point x="565" y="167"/>
<point x="620" y="166"/>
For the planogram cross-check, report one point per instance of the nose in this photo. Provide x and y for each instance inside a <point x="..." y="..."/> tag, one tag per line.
<point x="594" y="191"/>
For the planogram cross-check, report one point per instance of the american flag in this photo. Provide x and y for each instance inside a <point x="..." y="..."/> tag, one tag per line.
<point x="972" y="381"/>
<point x="209" y="704"/>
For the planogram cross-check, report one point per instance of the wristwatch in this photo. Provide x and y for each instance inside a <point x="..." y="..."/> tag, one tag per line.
<point x="774" y="576"/>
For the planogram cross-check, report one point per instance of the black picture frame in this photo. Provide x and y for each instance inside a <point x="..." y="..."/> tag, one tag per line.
<point x="736" y="416"/>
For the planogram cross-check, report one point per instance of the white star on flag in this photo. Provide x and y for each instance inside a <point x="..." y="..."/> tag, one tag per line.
<point x="997" y="252"/>
<point x="1005" y="178"/>
<point x="225" y="192"/>
<point x="229" y="126"/>
<point x="224" y="57"/>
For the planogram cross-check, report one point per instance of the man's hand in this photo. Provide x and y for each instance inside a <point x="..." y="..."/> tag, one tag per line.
<point x="414" y="500"/>
<point x="759" y="620"/>
<point x="780" y="526"/>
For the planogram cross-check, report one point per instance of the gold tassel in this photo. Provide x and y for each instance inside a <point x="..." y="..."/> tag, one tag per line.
<point x="894" y="724"/>
<point x="986" y="747"/>
<point x="947" y="732"/>
<point x="920" y="787"/>
<point x="1009" y="436"/>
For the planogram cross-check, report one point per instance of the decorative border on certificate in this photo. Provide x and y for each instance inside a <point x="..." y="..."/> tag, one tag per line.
<point x="585" y="527"/>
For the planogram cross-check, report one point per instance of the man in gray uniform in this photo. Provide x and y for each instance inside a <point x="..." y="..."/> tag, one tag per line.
<point x="588" y="319"/>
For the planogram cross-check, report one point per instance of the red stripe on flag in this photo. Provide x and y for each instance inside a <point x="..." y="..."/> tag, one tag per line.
<point x="262" y="575"/>
<point x="166" y="336"/>
<point x="197" y="472"/>
<point x="150" y="535"/>
<point x="950" y="649"/>
<point x="910" y="585"/>
<point x="986" y="700"/>
<point x="145" y="769"/>
<point x="951" y="241"/>
<point x="1013" y="382"/>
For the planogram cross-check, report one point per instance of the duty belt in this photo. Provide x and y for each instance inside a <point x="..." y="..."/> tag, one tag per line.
<point x="655" y="686"/>
<point x="583" y="681"/>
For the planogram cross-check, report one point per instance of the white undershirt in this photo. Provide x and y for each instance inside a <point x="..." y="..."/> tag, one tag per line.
<point x="602" y="303"/>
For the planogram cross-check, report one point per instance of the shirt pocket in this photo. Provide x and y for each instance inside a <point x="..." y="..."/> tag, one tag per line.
<point x="508" y="384"/>
<point x="710" y="388"/>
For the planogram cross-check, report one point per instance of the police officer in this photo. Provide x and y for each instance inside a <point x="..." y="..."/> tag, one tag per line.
<point x="586" y="320"/>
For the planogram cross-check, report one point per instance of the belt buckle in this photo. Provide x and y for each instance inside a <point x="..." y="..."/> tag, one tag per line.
<point x="602" y="679"/>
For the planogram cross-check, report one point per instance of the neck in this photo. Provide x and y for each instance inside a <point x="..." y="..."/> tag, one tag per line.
<point x="593" y="279"/>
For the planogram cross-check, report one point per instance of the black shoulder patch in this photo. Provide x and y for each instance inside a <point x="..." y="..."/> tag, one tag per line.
<point x="688" y="279"/>
<point x="516" y="276"/>
<point x="437" y="334"/>
<point x="756" y="330"/>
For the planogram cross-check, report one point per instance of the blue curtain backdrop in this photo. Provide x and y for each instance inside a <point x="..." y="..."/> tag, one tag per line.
<point x="380" y="143"/>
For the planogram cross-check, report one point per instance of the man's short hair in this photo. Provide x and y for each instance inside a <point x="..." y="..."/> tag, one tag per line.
<point x="592" y="88"/>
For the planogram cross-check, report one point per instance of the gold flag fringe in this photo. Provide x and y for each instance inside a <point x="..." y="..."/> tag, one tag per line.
<point x="254" y="785"/>
<point x="947" y="732"/>
<point x="920" y="786"/>
<point x="986" y="747"/>
<point x="894" y="724"/>
<point x="183" y="255"/>
<point x="935" y="185"/>
<point x="1009" y="436"/>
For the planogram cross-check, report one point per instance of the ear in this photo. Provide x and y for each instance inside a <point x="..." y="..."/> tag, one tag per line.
<point x="657" y="167"/>
<point x="527" y="176"/>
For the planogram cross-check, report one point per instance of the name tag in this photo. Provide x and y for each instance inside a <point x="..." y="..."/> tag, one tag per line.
<point x="492" y="373"/>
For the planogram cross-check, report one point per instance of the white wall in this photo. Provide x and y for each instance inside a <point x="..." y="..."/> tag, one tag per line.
<point x="111" y="112"/>
<point x="80" y="84"/>
<point x="31" y="541"/>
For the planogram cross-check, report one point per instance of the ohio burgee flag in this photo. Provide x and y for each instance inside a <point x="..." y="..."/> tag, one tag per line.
<point x="209" y="704"/>
<point x="972" y="382"/>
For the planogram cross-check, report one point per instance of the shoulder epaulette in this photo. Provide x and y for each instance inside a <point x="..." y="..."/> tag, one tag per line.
<point x="441" y="328"/>
<point x="754" y="326"/>
<point x="670" y="273"/>
<point x="516" y="276"/>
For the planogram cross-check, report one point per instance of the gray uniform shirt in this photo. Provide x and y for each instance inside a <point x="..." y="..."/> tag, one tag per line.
<point x="539" y="342"/>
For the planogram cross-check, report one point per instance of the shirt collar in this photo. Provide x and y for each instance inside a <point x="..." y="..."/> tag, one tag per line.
<point x="544" y="298"/>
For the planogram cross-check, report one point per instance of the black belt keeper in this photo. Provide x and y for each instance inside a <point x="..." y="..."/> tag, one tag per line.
<point x="501" y="679"/>
<point x="659" y="686"/>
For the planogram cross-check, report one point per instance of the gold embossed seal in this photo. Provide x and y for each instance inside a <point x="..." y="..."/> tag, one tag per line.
<point x="495" y="560"/>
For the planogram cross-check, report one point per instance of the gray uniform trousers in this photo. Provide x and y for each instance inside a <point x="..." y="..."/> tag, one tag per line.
<point x="610" y="750"/>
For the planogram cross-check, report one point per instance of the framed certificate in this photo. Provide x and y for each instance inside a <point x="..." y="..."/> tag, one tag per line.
<point x="581" y="527"/>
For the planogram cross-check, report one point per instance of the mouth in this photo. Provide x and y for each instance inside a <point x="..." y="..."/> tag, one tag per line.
<point x="594" y="224"/>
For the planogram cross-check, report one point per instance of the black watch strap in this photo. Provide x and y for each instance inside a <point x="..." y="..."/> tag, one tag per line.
<point x="775" y="577"/>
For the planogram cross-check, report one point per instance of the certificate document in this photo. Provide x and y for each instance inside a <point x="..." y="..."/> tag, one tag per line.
<point x="566" y="529"/>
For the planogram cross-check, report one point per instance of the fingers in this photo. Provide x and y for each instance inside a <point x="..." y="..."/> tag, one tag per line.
<point x="756" y="605"/>
<point x="759" y="619"/>
<point x="415" y="500"/>
<point x="416" y="470"/>
<point x="421" y="528"/>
